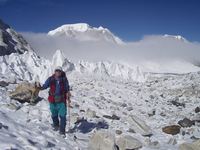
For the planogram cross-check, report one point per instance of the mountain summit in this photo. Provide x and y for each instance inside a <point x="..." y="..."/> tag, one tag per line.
<point x="84" y="32"/>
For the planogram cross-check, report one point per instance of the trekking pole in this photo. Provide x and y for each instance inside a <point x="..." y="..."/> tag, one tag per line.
<point x="68" y="109"/>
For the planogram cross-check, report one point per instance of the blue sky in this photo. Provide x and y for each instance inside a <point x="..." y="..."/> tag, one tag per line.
<point x="128" y="19"/>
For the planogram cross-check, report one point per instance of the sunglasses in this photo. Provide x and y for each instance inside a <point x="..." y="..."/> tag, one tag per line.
<point x="58" y="71"/>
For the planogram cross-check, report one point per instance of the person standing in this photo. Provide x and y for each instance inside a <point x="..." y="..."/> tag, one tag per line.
<point x="59" y="95"/>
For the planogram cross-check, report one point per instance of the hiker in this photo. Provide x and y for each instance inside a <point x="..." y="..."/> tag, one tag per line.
<point x="59" y="95"/>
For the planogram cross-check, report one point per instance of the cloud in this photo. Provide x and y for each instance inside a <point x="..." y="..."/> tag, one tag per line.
<point x="150" y="48"/>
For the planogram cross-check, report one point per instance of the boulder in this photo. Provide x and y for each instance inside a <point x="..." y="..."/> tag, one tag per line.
<point x="197" y="110"/>
<point x="193" y="146"/>
<point x="186" y="122"/>
<point x="90" y="113"/>
<point x="3" y="84"/>
<point x="139" y="126"/>
<point x="75" y="118"/>
<point x="25" y="92"/>
<point x="102" y="140"/>
<point x="173" y="129"/>
<point x="128" y="142"/>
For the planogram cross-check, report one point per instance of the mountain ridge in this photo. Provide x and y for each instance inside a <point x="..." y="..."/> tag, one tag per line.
<point x="11" y="41"/>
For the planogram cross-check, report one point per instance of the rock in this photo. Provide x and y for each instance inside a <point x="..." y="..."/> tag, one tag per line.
<point x="152" y="113"/>
<point x="76" y="105"/>
<point x="186" y="122"/>
<point x="152" y="144"/>
<point x="3" y="126"/>
<point x="3" y="84"/>
<point x="82" y="110"/>
<point x="139" y="126"/>
<point x="162" y="114"/>
<point x="74" y="117"/>
<point x="128" y="142"/>
<point x="151" y="97"/>
<point x="102" y="140"/>
<point x="131" y="130"/>
<point x="193" y="146"/>
<point x="113" y="117"/>
<point x="119" y="132"/>
<point x="194" y="138"/>
<point x="185" y="146"/>
<point x="25" y="92"/>
<point x="196" y="118"/>
<point x="90" y="113"/>
<point x="172" y="141"/>
<point x="173" y="129"/>
<point x="129" y="108"/>
<point x="177" y="104"/>
<point x="12" y="106"/>
<point x="197" y="110"/>
<point x="123" y="105"/>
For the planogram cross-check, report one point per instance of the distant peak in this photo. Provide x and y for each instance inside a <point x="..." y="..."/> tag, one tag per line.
<point x="178" y="37"/>
<point x="85" y="32"/>
<point x="79" y="27"/>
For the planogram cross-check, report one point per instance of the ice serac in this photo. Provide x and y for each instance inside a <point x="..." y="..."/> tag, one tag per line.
<point x="111" y="69"/>
<point x="84" y="32"/>
<point x="11" y="41"/>
<point x="59" y="59"/>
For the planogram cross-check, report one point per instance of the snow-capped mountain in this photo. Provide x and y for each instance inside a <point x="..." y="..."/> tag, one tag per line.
<point x="11" y="41"/>
<point x="177" y="37"/>
<point x="84" y="32"/>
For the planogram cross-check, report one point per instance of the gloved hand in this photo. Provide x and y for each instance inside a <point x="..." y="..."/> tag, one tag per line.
<point x="38" y="85"/>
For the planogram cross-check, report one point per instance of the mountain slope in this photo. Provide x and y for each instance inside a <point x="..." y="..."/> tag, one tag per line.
<point x="84" y="32"/>
<point x="11" y="41"/>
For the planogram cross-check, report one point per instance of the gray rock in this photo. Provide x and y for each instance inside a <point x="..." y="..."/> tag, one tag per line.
<point x="172" y="141"/>
<point x="113" y="117"/>
<point x="119" y="132"/>
<point x="129" y="108"/>
<point x="3" y="84"/>
<point x="186" y="122"/>
<point x="178" y="104"/>
<point x="139" y="126"/>
<point x="102" y="140"/>
<point x="128" y="142"/>
<point x="197" y="110"/>
<point x="190" y="146"/>
<point x="90" y="113"/>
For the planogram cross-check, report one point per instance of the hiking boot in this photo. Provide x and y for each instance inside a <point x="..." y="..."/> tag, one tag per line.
<point x="62" y="134"/>
<point x="55" y="128"/>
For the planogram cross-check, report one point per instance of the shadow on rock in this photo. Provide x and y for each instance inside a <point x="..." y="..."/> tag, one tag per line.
<point x="84" y="126"/>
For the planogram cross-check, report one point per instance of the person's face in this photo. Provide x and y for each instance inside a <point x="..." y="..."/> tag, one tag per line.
<point x="57" y="73"/>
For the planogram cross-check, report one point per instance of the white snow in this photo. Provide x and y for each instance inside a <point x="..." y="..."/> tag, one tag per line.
<point x="177" y="37"/>
<point x="29" y="126"/>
